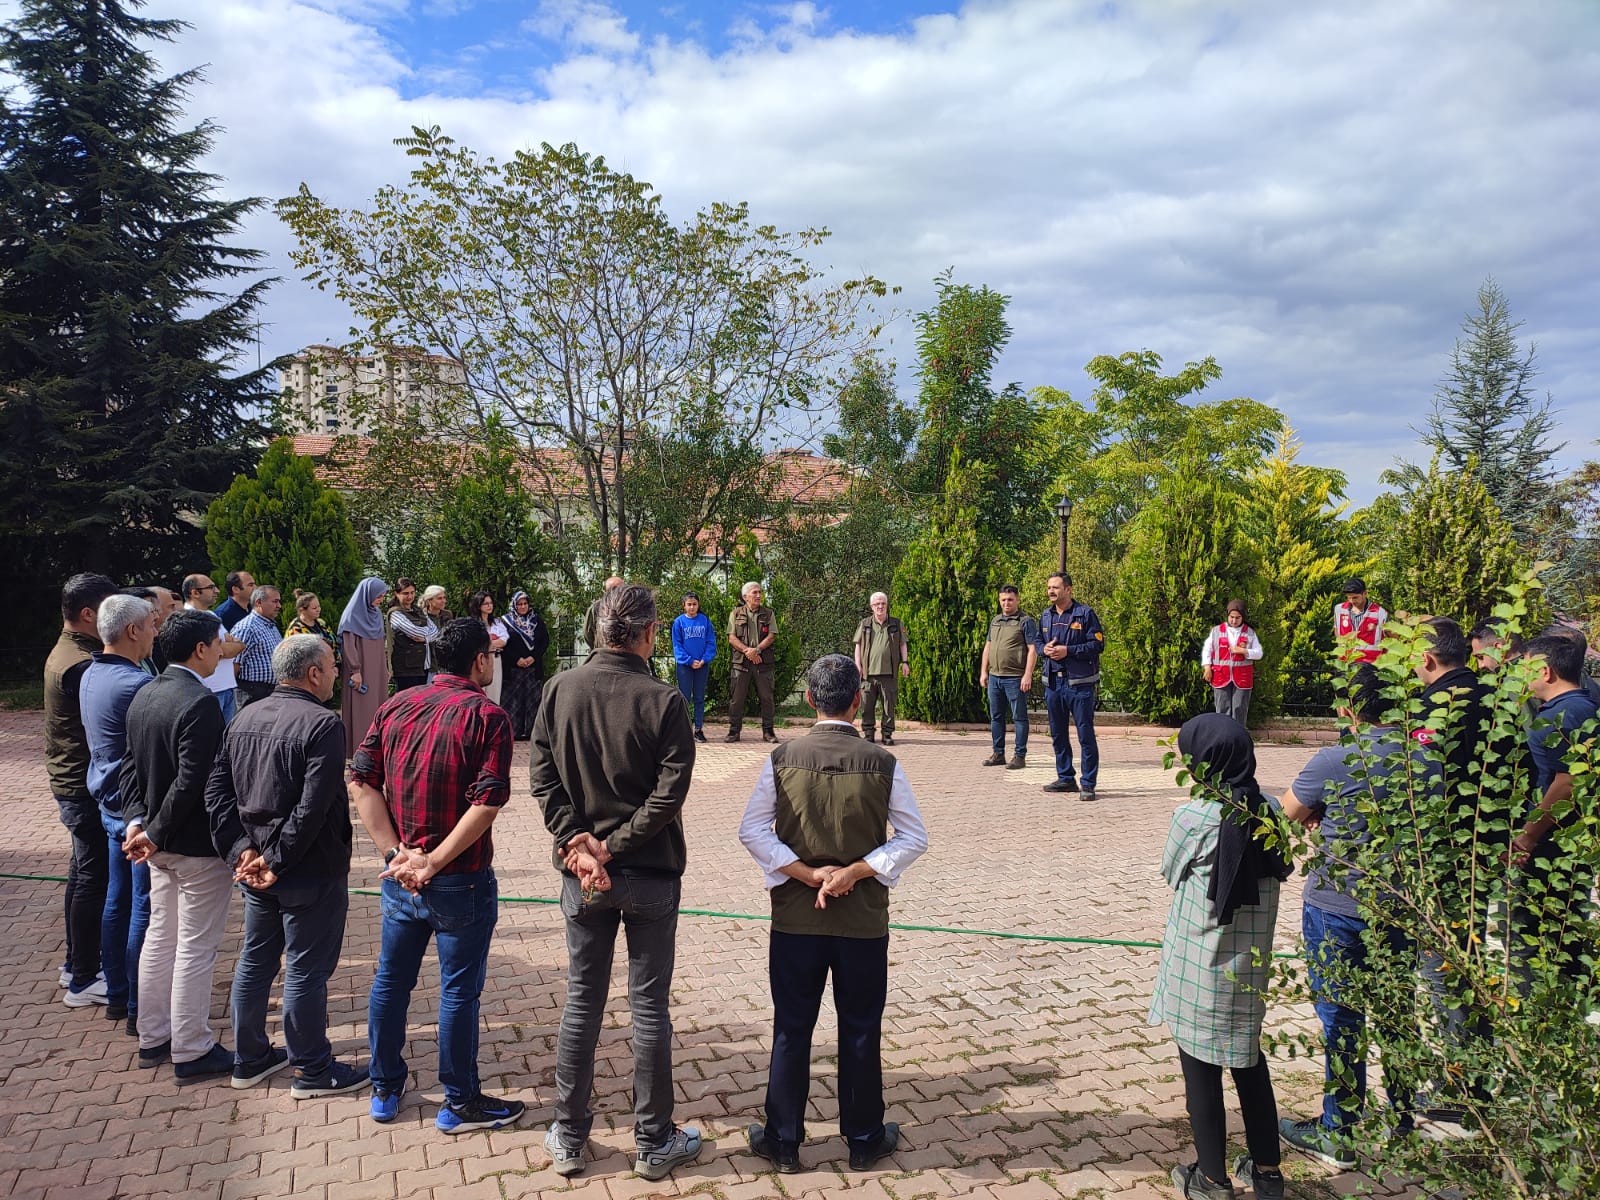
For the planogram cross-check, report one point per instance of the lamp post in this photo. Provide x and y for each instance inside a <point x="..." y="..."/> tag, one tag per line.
<point x="1064" y="511"/>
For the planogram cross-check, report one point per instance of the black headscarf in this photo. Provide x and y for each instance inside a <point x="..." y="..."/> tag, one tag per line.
<point x="1220" y="754"/>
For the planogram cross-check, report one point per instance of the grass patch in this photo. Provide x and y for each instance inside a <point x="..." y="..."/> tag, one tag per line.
<point x="22" y="696"/>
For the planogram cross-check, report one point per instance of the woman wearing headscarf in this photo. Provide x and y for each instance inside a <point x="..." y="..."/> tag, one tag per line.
<point x="1228" y="659"/>
<point x="481" y="606"/>
<point x="308" y="619"/>
<point x="523" y="665"/>
<point x="364" y="670"/>
<point x="1216" y="955"/>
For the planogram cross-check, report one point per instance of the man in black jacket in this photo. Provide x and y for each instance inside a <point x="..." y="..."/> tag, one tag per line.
<point x="280" y="816"/>
<point x="174" y="731"/>
<point x="612" y="756"/>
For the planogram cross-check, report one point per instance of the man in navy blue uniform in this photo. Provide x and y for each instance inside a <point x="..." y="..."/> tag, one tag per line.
<point x="1073" y="641"/>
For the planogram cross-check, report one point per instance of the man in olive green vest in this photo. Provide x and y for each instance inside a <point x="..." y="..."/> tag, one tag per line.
<point x="751" y="632"/>
<point x="1009" y="656"/>
<point x="818" y="824"/>
<point x="882" y="658"/>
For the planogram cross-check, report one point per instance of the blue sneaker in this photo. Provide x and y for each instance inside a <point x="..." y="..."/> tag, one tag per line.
<point x="484" y="1112"/>
<point x="385" y="1106"/>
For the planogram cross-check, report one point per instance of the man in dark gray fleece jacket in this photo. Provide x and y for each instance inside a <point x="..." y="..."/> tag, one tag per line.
<point x="612" y="756"/>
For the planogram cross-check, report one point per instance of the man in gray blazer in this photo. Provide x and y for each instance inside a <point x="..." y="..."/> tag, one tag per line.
<point x="174" y="731"/>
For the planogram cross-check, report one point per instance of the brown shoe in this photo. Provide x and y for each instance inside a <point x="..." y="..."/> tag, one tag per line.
<point x="994" y="760"/>
<point x="1018" y="761"/>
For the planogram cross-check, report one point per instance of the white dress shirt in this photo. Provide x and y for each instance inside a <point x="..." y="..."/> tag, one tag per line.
<point x="889" y="861"/>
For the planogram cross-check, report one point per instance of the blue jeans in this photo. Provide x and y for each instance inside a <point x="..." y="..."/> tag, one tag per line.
<point x="125" y="918"/>
<point x="692" y="683"/>
<point x="302" y="919"/>
<point x="1335" y="940"/>
<point x="647" y="907"/>
<point x="229" y="703"/>
<point x="1064" y="703"/>
<point x="86" y="887"/>
<point x="460" y="911"/>
<point x="1006" y="694"/>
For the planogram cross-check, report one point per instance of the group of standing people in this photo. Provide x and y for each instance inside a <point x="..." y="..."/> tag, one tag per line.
<point x="1225" y="875"/>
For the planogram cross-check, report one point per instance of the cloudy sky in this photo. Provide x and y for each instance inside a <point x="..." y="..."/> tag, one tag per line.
<point x="1310" y="192"/>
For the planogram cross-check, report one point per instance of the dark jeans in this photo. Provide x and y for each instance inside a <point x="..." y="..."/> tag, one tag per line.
<point x="460" y="911"/>
<point x="886" y="688"/>
<point x="1208" y="1119"/>
<point x="299" y="923"/>
<point x="403" y="682"/>
<point x="249" y="691"/>
<point x="125" y="917"/>
<point x="1332" y="938"/>
<point x="646" y="906"/>
<point x="1006" y="696"/>
<point x="1065" y="704"/>
<point x="692" y="683"/>
<point x="86" y="886"/>
<point x="798" y="966"/>
<point x="739" y="688"/>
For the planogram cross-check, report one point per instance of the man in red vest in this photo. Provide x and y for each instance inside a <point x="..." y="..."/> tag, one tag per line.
<point x="1228" y="659"/>
<point x="1358" y="619"/>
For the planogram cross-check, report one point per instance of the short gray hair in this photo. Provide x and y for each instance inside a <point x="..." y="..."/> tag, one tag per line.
<point x="296" y="655"/>
<point x="261" y="593"/>
<point x="116" y="613"/>
<point x="833" y="682"/>
<point x="625" y="613"/>
<point x="876" y="596"/>
<point x="745" y="590"/>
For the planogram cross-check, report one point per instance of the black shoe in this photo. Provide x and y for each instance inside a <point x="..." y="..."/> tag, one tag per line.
<point x="994" y="760"/>
<point x="887" y="740"/>
<point x="787" y="1161"/>
<point x="1017" y="763"/>
<point x="116" y="1012"/>
<point x="862" y="1157"/>
<point x="155" y="1055"/>
<point x="1192" y="1181"/>
<point x="1087" y="795"/>
<point x="732" y="737"/>
<point x="247" y="1075"/>
<point x="213" y="1063"/>
<point x="699" y="735"/>
<point x="867" y="737"/>
<point x="132" y="1027"/>
<point x="1267" y="1185"/>
<point x="768" y="736"/>
<point x="336" y="1080"/>
<point x="1062" y="785"/>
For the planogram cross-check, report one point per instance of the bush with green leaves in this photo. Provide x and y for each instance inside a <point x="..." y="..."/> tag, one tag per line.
<point x="1187" y="556"/>
<point x="286" y="529"/>
<point x="1501" y="1034"/>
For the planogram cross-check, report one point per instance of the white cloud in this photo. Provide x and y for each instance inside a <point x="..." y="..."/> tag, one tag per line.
<point x="1310" y="193"/>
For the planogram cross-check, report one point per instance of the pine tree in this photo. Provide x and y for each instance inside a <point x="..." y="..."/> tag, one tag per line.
<point x="944" y="591"/>
<point x="1188" y="554"/>
<point x="286" y="529"/>
<point x="120" y="419"/>
<point x="1454" y="554"/>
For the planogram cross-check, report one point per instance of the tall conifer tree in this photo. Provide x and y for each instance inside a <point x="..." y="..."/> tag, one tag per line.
<point x="121" y="417"/>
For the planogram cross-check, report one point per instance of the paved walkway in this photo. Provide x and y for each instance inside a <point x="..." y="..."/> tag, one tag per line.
<point x="1020" y="1069"/>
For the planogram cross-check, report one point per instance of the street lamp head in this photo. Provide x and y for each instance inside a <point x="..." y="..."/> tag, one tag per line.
<point x="1064" y="508"/>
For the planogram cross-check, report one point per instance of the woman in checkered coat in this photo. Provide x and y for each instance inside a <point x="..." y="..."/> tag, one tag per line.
<point x="1216" y="955"/>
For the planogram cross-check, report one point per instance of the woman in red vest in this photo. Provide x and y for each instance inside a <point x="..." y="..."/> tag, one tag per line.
<point x="1228" y="659"/>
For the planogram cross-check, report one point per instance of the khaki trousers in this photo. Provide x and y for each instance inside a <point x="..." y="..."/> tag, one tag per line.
<point x="739" y="688"/>
<point x="188" y="916"/>
<point x="886" y="686"/>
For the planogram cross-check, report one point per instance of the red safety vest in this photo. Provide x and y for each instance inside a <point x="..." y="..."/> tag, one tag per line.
<point x="1367" y="627"/>
<point x="1225" y="668"/>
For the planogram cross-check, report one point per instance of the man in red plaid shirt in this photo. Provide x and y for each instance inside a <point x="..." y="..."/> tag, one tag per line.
<point x="428" y="781"/>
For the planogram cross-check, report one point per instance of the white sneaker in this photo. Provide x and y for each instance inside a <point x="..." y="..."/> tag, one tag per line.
<point x="95" y="993"/>
<point x="65" y="977"/>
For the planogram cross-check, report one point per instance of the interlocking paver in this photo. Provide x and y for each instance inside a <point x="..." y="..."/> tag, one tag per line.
<point x="1019" y="1069"/>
